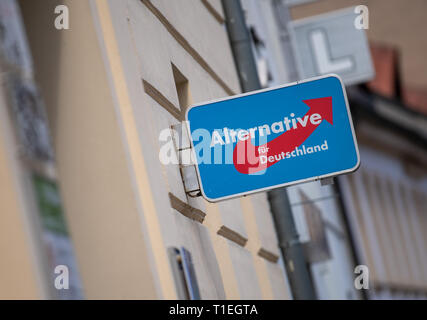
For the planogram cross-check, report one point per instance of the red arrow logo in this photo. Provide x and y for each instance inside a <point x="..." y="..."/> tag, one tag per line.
<point x="247" y="158"/>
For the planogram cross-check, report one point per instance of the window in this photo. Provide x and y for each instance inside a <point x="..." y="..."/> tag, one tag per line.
<point x="182" y="90"/>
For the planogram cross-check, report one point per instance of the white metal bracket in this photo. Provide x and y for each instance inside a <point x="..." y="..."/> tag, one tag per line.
<point x="186" y="160"/>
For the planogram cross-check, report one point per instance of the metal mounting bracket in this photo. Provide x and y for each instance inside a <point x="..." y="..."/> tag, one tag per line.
<point x="186" y="159"/>
<point x="326" y="181"/>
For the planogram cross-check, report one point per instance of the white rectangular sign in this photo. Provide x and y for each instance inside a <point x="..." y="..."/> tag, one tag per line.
<point x="332" y="43"/>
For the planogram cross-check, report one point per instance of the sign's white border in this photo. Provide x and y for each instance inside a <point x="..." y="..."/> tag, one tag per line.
<point x="333" y="174"/>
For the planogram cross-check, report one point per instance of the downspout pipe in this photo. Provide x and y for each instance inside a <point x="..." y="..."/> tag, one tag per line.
<point x="290" y="246"/>
<point x="241" y="45"/>
<point x="292" y="251"/>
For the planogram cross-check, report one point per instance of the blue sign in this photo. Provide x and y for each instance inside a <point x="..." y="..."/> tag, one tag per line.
<point x="273" y="138"/>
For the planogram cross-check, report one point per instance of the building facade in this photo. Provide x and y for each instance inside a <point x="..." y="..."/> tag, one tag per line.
<point x="114" y="84"/>
<point x="87" y="111"/>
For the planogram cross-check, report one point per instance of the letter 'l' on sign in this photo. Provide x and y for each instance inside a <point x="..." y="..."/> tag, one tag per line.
<point x="272" y="138"/>
<point x="325" y="62"/>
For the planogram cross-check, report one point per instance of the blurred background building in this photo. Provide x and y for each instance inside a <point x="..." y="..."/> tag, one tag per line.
<point x="385" y="200"/>
<point x="382" y="211"/>
<point x="81" y="183"/>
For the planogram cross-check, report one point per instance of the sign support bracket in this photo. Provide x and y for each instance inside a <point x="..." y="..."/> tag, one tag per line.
<point x="326" y="181"/>
<point x="186" y="159"/>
